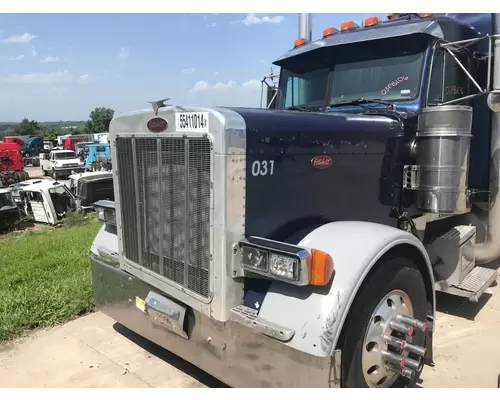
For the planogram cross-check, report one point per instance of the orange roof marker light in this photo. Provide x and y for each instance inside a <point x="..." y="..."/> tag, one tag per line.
<point x="371" y="21"/>
<point x="329" y="31"/>
<point x="346" y="25"/>
<point x="299" y="42"/>
<point x="425" y="15"/>
<point x="393" y="16"/>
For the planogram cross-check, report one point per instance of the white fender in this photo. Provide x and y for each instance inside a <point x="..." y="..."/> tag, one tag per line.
<point x="318" y="314"/>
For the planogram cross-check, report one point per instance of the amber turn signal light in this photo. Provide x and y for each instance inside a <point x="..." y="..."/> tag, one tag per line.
<point x="320" y="268"/>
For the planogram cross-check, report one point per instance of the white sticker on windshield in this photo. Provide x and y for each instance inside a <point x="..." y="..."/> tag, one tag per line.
<point x="405" y="92"/>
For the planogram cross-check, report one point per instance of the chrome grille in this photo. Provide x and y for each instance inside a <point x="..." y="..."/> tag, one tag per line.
<point x="165" y="188"/>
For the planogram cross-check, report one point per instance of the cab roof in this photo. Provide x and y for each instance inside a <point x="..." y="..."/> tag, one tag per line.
<point x="437" y="26"/>
<point x="44" y="184"/>
<point x="81" y="175"/>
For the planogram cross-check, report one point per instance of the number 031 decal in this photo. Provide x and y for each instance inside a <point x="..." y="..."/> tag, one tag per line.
<point x="263" y="168"/>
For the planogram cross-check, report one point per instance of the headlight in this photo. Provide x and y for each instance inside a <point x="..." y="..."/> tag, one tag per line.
<point x="286" y="262"/>
<point x="254" y="258"/>
<point x="284" y="266"/>
<point x="105" y="211"/>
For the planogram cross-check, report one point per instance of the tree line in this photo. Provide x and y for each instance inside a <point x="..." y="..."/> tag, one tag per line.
<point x="98" y="122"/>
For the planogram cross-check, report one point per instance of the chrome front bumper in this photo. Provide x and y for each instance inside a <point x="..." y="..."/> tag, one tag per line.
<point x="229" y="351"/>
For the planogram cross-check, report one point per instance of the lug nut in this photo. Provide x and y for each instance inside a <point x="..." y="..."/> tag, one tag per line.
<point x="418" y="350"/>
<point x="394" y="358"/>
<point x="398" y="343"/>
<point x="407" y="330"/>
<point x="414" y="365"/>
<point x="412" y="322"/>
<point x="407" y="373"/>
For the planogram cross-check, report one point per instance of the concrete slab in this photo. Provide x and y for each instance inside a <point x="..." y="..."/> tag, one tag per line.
<point x="94" y="351"/>
<point x="56" y="358"/>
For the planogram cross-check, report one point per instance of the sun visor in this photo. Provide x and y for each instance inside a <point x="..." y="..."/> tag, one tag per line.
<point x="431" y="28"/>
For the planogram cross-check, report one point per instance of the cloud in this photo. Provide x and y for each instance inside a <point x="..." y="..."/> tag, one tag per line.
<point x="50" y="59"/>
<point x="123" y="54"/>
<point x="33" y="51"/>
<point x="12" y="58"/>
<point x="212" y="25"/>
<point x="228" y="93"/>
<point x="24" y="39"/>
<point x="202" y="86"/>
<point x="58" y="91"/>
<point x="253" y="19"/>
<point x="188" y="71"/>
<point x="41" y="78"/>
<point x="252" y="84"/>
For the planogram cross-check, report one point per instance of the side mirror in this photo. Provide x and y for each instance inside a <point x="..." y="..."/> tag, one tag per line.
<point x="272" y="95"/>
<point x="493" y="101"/>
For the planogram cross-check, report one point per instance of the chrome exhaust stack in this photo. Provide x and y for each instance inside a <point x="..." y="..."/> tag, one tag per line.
<point x="305" y="26"/>
<point x="490" y="250"/>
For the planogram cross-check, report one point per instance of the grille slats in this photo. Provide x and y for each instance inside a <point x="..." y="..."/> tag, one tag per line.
<point x="165" y="192"/>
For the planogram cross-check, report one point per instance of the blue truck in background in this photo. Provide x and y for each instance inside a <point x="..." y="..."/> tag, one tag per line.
<point x="98" y="157"/>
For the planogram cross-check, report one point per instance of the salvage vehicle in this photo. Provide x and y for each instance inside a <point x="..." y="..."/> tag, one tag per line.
<point x="82" y="148"/>
<point x="10" y="216"/>
<point x="32" y="146"/>
<point x="89" y="187"/>
<point x="303" y="246"/>
<point x="61" y="163"/>
<point x="98" y="157"/>
<point x="47" y="202"/>
<point x="11" y="164"/>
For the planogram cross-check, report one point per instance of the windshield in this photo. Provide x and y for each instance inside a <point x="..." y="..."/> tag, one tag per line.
<point x="387" y="69"/>
<point x="6" y="201"/>
<point x="65" y="155"/>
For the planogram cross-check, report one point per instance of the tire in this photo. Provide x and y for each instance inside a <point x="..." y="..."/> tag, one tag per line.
<point x="54" y="175"/>
<point x="400" y="274"/>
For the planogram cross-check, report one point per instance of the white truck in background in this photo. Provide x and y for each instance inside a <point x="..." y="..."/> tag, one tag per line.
<point x="61" y="163"/>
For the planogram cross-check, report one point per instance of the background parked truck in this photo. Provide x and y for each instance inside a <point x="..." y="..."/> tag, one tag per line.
<point x="61" y="163"/>
<point x="303" y="245"/>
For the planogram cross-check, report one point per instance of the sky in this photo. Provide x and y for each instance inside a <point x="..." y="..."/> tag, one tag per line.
<point x="61" y="66"/>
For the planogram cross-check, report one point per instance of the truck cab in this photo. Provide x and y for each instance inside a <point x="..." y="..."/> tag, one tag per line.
<point x="98" y="157"/>
<point x="304" y="245"/>
<point x="45" y="201"/>
<point x="61" y="163"/>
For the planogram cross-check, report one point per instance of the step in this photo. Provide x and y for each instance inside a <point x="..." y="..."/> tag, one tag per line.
<point x="473" y="285"/>
<point x="249" y="317"/>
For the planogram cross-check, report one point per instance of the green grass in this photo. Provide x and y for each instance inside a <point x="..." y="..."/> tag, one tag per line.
<point x="45" y="275"/>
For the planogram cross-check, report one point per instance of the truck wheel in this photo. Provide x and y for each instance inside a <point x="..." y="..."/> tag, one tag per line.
<point x="54" y="175"/>
<point x="395" y="288"/>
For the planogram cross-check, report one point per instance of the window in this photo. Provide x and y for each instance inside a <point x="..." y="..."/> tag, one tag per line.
<point x="34" y="196"/>
<point x="305" y="89"/>
<point x="100" y="149"/>
<point x="65" y="155"/>
<point x="6" y="200"/>
<point x="386" y="69"/>
<point x="448" y="80"/>
<point x="392" y="78"/>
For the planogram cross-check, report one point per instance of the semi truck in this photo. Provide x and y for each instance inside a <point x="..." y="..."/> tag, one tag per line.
<point x="303" y="246"/>
<point x="11" y="164"/>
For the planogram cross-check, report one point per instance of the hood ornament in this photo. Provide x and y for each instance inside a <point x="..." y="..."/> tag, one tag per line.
<point x="159" y="104"/>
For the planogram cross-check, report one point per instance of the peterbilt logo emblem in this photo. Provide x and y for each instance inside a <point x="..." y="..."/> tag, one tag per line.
<point x="321" y="162"/>
<point x="157" y="125"/>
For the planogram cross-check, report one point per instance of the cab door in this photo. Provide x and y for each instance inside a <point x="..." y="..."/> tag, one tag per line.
<point x="35" y="207"/>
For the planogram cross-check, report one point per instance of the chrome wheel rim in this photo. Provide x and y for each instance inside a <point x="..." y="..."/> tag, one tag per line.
<point x="374" y="368"/>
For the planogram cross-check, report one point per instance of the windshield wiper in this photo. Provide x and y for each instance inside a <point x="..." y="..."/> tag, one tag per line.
<point x="365" y="101"/>
<point x="303" y="108"/>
